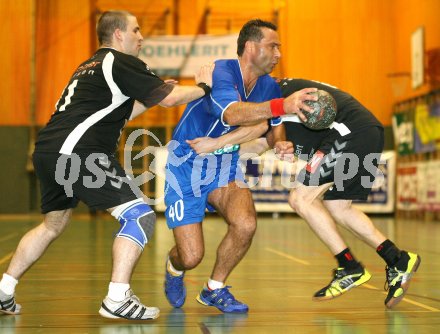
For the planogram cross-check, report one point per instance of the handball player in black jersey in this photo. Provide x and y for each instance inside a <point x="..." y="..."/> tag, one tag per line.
<point x="340" y="167"/>
<point x="74" y="159"/>
<point x="335" y="166"/>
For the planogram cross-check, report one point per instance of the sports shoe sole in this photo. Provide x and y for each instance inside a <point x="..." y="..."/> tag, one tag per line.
<point x="200" y="300"/>
<point x="394" y="301"/>
<point x="10" y="312"/>
<point x="366" y="277"/>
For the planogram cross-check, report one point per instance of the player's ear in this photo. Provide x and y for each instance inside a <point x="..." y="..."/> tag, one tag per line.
<point x="118" y="34"/>
<point x="249" y="46"/>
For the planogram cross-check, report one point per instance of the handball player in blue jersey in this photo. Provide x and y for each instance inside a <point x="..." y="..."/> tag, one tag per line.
<point x="243" y="94"/>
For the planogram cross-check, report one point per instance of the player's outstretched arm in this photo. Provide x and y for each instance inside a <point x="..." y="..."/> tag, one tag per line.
<point x="138" y="108"/>
<point x="185" y="94"/>
<point x="283" y="149"/>
<point x="256" y="146"/>
<point x="247" y="113"/>
<point x="204" y="145"/>
<point x="276" y="138"/>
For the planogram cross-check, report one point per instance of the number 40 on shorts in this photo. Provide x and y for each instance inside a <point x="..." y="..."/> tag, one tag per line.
<point x="176" y="211"/>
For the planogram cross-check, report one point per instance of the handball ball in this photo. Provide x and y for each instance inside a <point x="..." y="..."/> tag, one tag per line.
<point x="324" y="111"/>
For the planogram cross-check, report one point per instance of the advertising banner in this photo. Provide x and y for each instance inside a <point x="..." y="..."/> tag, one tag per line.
<point x="182" y="56"/>
<point x="270" y="181"/>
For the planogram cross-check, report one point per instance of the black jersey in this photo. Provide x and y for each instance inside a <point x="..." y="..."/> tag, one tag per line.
<point x="351" y="114"/>
<point x="351" y="117"/>
<point x="98" y="101"/>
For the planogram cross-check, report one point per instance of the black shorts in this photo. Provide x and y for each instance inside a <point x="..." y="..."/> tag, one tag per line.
<point x="98" y="180"/>
<point x="349" y="161"/>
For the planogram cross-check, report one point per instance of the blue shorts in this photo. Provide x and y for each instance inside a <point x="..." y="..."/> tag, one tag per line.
<point x="188" y="185"/>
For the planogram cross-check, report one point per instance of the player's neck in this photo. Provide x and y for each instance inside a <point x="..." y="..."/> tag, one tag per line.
<point x="113" y="44"/>
<point x="108" y="47"/>
<point x="249" y="74"/>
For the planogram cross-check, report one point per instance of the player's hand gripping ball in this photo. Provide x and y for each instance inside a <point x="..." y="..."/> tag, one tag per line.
<point x="324" y="111"/>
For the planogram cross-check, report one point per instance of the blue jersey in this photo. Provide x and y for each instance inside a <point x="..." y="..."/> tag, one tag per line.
<point x="204" y="117"/>
<point x="189" y="177"/>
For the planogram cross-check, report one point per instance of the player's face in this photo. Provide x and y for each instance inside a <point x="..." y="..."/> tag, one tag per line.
<point x="132" y="37"/>
<point x="267" y="51"/>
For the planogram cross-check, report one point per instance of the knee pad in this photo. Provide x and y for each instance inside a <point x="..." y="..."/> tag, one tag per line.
<point x="137" y="223"/>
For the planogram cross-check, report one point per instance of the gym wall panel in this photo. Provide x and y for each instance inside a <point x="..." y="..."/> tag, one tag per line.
<point x="352" y="44"/>
<point x="408" y="16"/>
<point x="154" y="17"/>
<point x="346" y="43"/>
<point x="136" y="7"/>
<point x="17" y="185"/>
<point x="63" y="40"/>
<point x="15" y="62"/>
<point x="230" y="15"/>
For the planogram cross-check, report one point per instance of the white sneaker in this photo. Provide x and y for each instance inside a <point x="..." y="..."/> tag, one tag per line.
<point x="8" y="305"/>
<point x="130" y="308"/>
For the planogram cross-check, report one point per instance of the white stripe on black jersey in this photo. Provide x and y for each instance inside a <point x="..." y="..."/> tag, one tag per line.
<point x="117" y="99"/>
<point x="98" y="101"/>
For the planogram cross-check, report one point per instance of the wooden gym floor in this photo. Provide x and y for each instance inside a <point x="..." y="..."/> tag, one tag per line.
<point x="284" y="267"/>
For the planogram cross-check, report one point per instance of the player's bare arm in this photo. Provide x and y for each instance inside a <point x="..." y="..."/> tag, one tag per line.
<point x="257" y="146"/>
<point x="243" y="134"/>
<point x="276" y="138"/>
<point x="138" y="108"/>
<point x="247" y="113"/>
<point x="185" y="94"/>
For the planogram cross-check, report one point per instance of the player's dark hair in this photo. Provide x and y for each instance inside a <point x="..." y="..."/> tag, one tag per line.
<point x="109" y="22"/>
<point x="251" y="31"/>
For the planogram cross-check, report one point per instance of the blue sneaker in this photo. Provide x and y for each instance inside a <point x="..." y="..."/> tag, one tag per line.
<point x="222" y="299"/>
<point x="175" y="290"/>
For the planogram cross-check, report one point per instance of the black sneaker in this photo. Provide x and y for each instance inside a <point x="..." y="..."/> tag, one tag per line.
<point x="399" y="277"/>
<point x="130" y="308"/>
<point x="8" y="305"/>
<point x="343" y="280"/>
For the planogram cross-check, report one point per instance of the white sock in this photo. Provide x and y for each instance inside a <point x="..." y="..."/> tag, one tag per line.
<point x="116" y="291"/>
<point x="8" y="284"/>
<point x="173" y="271"/>
<point x="213" y="285"/>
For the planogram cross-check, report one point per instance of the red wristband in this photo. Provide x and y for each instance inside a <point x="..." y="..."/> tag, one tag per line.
<point x="277" y="107"/>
